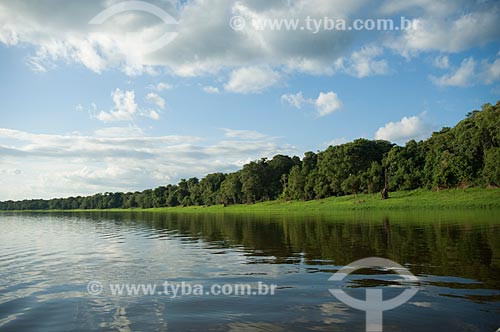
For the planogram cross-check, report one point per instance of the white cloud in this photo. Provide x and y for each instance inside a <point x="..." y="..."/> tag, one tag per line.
<point x="125" y="107"/>
<point x="450" y="30"/>
<point x="252" y="80"/>
<point x="470" y="73"/>
<point x="364" y="62"/>
<point x="490" y="72"/>
<point x="408" y="128"/>
<point x="327" y="103"/>
<point x="295" y="100"/>
<point x="441" y="62"/>
<point x="211" y="89"/>
<point x="64" y="36"/>
<point x="119" y="159"/>
<point x="153" y="98"/>
<point x="463" y="76"/>
<point x="312" y="66"/>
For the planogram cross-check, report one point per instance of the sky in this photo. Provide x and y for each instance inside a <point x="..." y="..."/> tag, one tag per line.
<point x="101" y="95"/>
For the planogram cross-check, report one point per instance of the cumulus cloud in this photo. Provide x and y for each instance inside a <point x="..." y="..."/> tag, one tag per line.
<point x="120" y="159"/>
<point x="206" y="45"/>
<point x="295" y="100"/>
<point x="460" y="77"/>
<point x="153" y="98"/>
<point x="364" y="63"/>
<point x="252" y="80"/>
<point x="490" y="71"/>
<point x="126" y="108"/>
<point x="470" y="73"/>
<point x="449" y="29"/>
<point x="408" y="128"/>
<point x="326" y="103"/>
<point x="195" y="51"/>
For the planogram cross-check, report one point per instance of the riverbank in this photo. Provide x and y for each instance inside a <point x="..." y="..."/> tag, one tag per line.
<point x="470" y="198"/>
<point x="475" y="198"/>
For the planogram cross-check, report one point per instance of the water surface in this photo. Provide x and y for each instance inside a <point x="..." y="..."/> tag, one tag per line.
<point x="47" y="261"/>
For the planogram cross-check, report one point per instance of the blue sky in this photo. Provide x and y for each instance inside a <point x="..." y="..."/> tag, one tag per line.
<point x="83" y="110"/>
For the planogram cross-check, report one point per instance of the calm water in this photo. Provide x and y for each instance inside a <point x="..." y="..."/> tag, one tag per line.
<point x="46" y="262"/>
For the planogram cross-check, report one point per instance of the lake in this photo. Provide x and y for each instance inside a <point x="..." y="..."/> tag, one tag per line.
<point x="53" y="265"/>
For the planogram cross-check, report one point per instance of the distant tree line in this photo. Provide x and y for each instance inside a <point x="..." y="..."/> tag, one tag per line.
<point x="466" y="155"/>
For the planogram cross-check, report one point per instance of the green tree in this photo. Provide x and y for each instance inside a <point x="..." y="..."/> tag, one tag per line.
<point x="351" y="184"/>
<point x="209" y="188"/>
<point x="230" y="190"/>
<point x="491" y="172"/>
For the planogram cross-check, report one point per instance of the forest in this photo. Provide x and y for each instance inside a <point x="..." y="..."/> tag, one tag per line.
<point x="465" y="155"/>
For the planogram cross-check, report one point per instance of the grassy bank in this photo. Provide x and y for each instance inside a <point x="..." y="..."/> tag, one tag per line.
<point x="475" y="198"/>
<point x="471" y="198"/>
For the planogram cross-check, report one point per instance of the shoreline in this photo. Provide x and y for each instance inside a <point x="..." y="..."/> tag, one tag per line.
<point x="420" y="199"/>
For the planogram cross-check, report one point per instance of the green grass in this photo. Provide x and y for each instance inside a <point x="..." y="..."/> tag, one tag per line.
<point x="475" y="198"/>
<point x="458" y="199"/>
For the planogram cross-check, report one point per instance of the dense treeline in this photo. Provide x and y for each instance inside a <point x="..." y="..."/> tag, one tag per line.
<point x="466" y="155"/>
